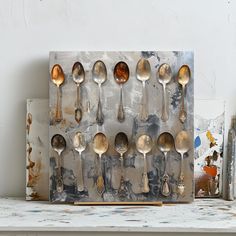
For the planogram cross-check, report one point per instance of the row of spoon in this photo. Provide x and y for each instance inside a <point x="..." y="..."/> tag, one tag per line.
<point x="121" y="75"/>
<point x="144" y="145"/>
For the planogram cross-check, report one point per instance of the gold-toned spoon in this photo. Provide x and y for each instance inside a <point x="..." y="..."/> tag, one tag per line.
<point x="121" y="146"/>
<point x="100" y="146"/>
<point x="183" y="78"/>
<point x="78" y="75"/>
<point x="182" y="145"/>
<point x="143" y="73"/>
<point x="165" y="144"/>
<point x="121" y="75"/>
<point x="79" y="144"/>
<point x="164" y="75"/>
<point x="58" y="144"/>
<point x="99" y="75"/>
<point x="58" y="77"/>
<point x="144" y="145"/>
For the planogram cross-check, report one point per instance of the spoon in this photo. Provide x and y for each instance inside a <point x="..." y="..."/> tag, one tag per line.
<point x="99" y="74"/>
<point x="143" y="73"/>
<point x="182" y="145"/>
<point x="121" y="146"/>
<point x="79" y="144"/>
<point x="144" y="145"/>
<point x="164" y="74"/>
<point x="165" y="144"/>
<point x="58" y="77"/>
<point x="121" y="75"/>
<point x="184" y="75"/>
<point x="58" y="144"/>
<point x="78" y="75"/>
<point x="100" y="146"/>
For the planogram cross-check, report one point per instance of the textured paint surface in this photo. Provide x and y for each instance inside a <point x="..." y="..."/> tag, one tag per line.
<point x="132" y="126"/>
<point x="201" y="216"/>
<point x="209" y="137"/>
<point x="37" y="161"/>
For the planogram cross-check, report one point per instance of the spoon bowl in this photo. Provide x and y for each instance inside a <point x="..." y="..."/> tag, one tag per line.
<point x="143" y="73"/>
<point x="58" y="144"/>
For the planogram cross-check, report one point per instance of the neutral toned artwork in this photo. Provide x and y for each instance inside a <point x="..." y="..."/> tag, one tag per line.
<point x="37" y="161"/>
<point x="209" y="134"/>
<point x="107" y="111"/>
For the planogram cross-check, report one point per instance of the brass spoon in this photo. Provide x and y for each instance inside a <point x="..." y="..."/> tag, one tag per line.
<point x="58" y="77"/>
<point x="79" y="144"/>
<point x="184" y="75"/>
<point x="99" y="74"/>
<point x="100" y="146"/>
<point x="58" y="144"/>
<point x="143" y="73"/>
<point x="121" y="146"/>
<point x="165" y="144"/>
<point x="144" y="145"/>
<point x="182" y="145"/>
<point x="121" y="75"/>
<point x="164" y="75"/>
<point x="78" y="75"/>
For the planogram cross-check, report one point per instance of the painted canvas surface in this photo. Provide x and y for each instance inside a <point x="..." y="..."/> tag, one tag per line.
<point x="209" y="140"/>
<point x="132" y="126"/>
<point x="37" y="161"/>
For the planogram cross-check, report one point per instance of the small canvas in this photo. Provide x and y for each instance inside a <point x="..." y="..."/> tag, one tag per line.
<point x="37" y="161"/>
<point x="209" y="118"/>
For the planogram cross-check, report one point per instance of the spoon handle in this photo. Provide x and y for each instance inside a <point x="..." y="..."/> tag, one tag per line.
<point x="144" y="107"/>
<point x="182" y="114"/>
<point x="80" y="181"/>
<point x="165" y="115"/>
<point x="181" y="186"/>
<point x="165" y="188"/>
<point x="58" y="106"/>
<point x="59" y="175"/>
<point x="100" y="116"/>
<point x="121" y="114"/>
<point x="100" y="180"/>
<point x="122" y="189"/>
<point x="145" y="185"/>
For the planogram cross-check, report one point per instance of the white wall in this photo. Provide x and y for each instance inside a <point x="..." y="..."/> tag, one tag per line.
<point x="30" y="29"/>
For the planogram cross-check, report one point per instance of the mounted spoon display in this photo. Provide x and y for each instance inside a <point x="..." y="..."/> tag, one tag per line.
<point x="78" y="75"/>
<point x="164" y="75"/>
<point x="143" y="73"/>
<point x="183" y="78"/>
<point x="79" y="144"/>
<point x="121" y="75"/>
<point x="182" y="145"/>
<point x="165" y="144"/>
<point x="100" y="146"/>
<point x="58" y="78"/>
<point x="58" y="144"/>
<point x="99" y="75"/>
<point x="144" y="145"/>
<point x="121" y="146"/>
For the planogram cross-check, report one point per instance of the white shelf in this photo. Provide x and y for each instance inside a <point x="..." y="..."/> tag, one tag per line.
<point x="209" y="215"/>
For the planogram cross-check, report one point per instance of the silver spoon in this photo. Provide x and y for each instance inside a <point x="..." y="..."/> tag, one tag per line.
<point x="58" y="144"/>
<point x="99" y="74"/>
<point x="121" y="75"/>
<point x="143" y="73"/>
<point x="182" y="145"/>
<point x="78" y="75"/>
<point x="144" y="145"/>
<point x="164" y="75"/>
<point x="79" y="144"/>
<point x="165" y="144"/>
<point x="121" y="146"/>
<point x="184" y="75"/>
<point x="100" y="146"/>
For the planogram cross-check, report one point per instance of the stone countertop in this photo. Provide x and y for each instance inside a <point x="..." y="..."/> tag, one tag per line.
<point x="208" y="215"/>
